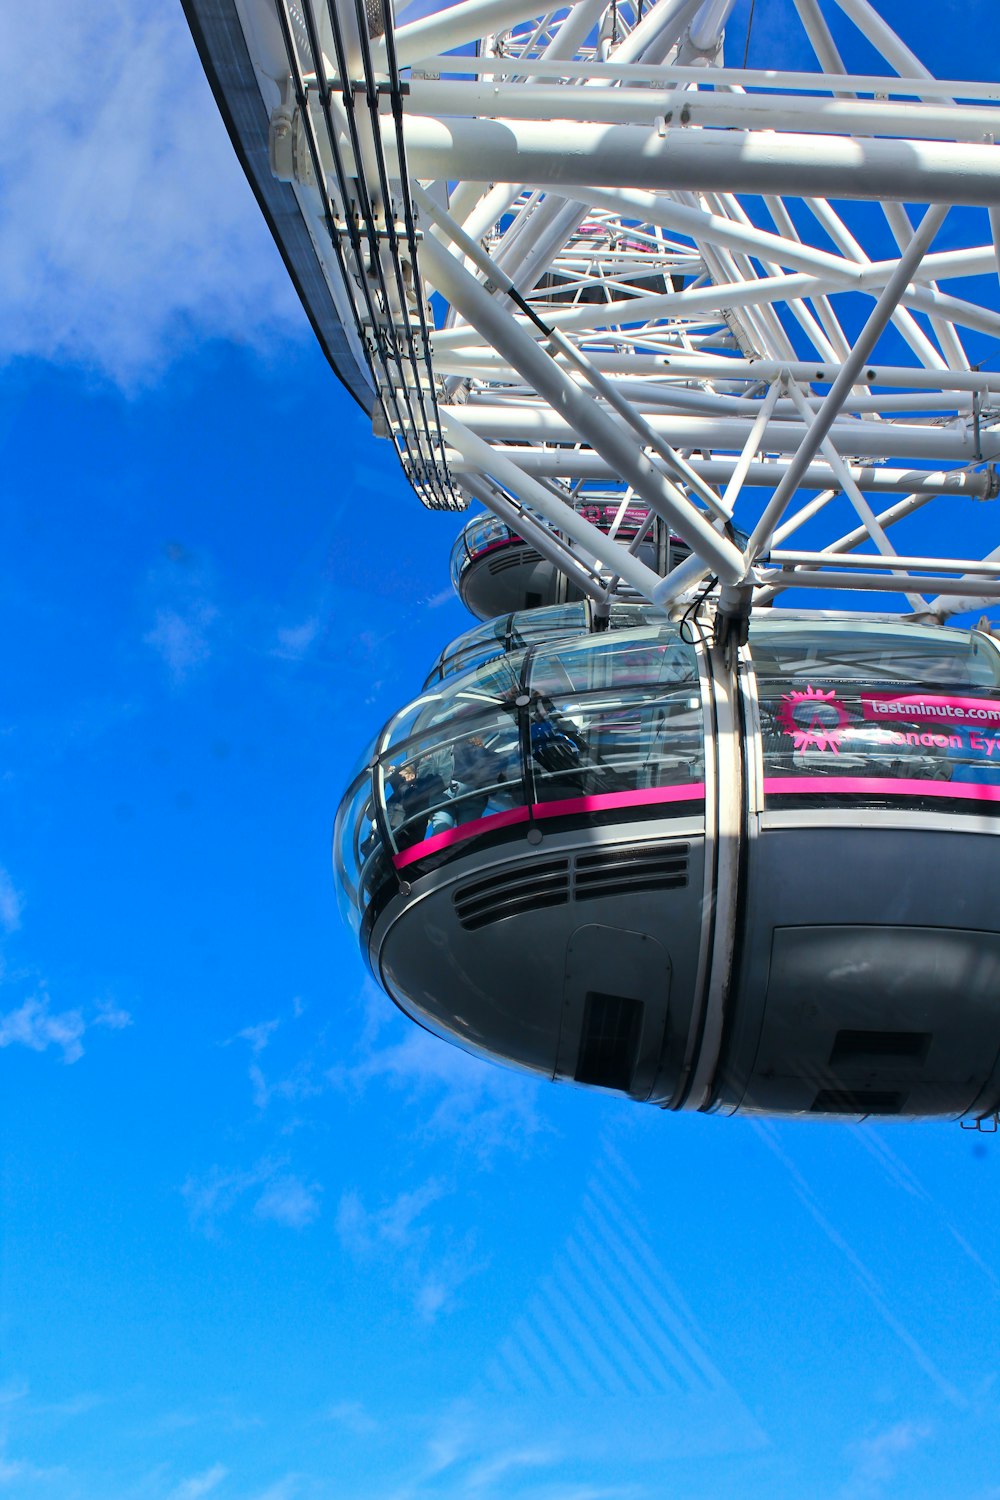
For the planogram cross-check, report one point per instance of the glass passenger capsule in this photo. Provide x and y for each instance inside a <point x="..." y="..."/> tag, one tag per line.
<point x="612" y="860"/>
<point x="495" y="572"/>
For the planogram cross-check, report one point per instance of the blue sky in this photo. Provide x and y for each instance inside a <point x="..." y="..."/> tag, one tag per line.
<point x="261" y="1238"/>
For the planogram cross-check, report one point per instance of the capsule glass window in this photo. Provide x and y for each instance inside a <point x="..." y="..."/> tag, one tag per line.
<point x="360" y="858"/>
<point x="471" y="649"/>
<point x="878" y="712"/>
<point x="512" y="632"/>
<point x="452" y="757"/>
<point x="460" y="774"/>
<point x="615" y="718"/>
<point x="497" y="682"/>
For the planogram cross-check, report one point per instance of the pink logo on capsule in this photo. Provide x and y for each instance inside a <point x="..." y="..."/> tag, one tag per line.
<point x="814" y="719"/>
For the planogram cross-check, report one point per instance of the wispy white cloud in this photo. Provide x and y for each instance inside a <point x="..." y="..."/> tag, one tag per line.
<point x="72" y="1406"/>
<point x="481" y="1107"/>
<point x="432" y="1297"/>
<point x="500" y="1465"/>
<point x="186" y="627"/>
<point x="401" y="1230"/>
<point x="17" y="1472"/>
<point x="257" y="1037"/>
<point x="294" y="641"/>
<point x="878" y="1458"/>
<point x="285" y="1488"/>
<point x="258" y="1083"/>
<point x="299" y="1084"/>
<point x="182" y="638"/>
<point x="471" y="1448"/>
<point x="127" y="231"/>
<point x="452" y="1099"/>
<point x="398" y="1224"/>
<point x="211" y="1197"/>
<point x="442" y="1274"/>
<point x="34" y="1024"/>
<point x="291" y="1083"/>
<point x="282" y="1196"/>
<point x="289" y="1201"/>
<point x="11" y="903"/>
<point x="200" y="1484"/>
<point x="437" y="1287"/>
<point x="354" y="1416"/>
<point x="108" y="1013"/>
<point x="17" y="1395"/>
<point x="492" y="1447"/>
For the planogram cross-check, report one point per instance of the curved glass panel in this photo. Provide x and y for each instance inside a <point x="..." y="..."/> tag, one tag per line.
<point x="625" y="616"/>
<point x="474" y="648"/>
<point x="529" y="627"/>
<point x="594" y="726"/>
<point x="877" y="711"/>
<point x="440" y="755"/>
<point x="458" y="698"/>
<point x="526" y="627"/>
<point x="459" y="773"/>
<point x="609" y="725"/>
<point x="359" y="861"/>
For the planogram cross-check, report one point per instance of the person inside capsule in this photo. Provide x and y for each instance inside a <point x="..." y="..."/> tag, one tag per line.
<point x="414" y="790"/>
<point x="481" y="770"/>
<point x="557" y="746"/>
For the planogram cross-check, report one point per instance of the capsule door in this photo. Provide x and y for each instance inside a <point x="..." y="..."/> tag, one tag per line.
<point x="616" y="996"/>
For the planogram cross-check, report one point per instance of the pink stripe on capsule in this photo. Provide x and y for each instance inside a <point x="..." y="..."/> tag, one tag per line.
<point x="882" y="786"/>
<point x="647" y="797"/>
<point x="456" y="835"/>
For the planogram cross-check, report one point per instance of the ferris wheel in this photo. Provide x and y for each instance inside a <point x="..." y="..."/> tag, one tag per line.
<point x="698" y="337"/>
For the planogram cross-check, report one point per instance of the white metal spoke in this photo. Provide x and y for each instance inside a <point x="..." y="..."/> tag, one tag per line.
<point x="820" y="425"/>
<point x="882" y="37"/>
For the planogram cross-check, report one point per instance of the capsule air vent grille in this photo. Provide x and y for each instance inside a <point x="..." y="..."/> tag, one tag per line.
<point x="868" y="1048"/>
<point x="512" y="892"/>
<point x="856" y="1102"/>
<point x="513" y="557"/>
<point x="608" y="872"/>
<point x="646" y="867"/>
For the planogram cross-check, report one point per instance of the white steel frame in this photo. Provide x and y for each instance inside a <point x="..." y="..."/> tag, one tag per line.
<point x="578" y="254"/>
